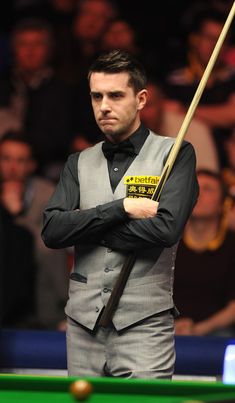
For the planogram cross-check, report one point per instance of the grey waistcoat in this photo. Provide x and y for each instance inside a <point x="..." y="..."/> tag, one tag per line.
<point x="149" y="287"/>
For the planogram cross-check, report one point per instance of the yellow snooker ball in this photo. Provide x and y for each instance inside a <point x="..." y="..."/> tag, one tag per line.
<point x="81" y="390"/>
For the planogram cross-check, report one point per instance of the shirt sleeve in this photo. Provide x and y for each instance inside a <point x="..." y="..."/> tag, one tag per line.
<point x="64" y="224"/>
<point x="177" y="200"/>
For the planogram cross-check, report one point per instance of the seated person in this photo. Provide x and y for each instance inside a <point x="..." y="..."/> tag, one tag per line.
<point x="24" y="196"/>
<point x="228" y="174"/>
<point x="168" y="123"/>
<point x="33" y="99"/>
<point x="204" y="289"/>
<point x="216" y="107"/>
<point x="17" y="273"/>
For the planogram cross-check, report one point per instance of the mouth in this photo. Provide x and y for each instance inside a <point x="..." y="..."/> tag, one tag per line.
<point x="106" y="120"/>
<point x="106" y="123"/>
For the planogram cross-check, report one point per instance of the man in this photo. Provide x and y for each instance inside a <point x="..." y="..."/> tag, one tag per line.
<point x="90" y="210"/>
<point x="17" y="273"/>
<point x="217" y="103"/>
<point x="204" y="276"/>
<point x="228" y="175"/>
<point x="34" y="100"/>
<point x="24" y="196"/>
<point x="168" y="123"/>
<point x="216" y="108"/>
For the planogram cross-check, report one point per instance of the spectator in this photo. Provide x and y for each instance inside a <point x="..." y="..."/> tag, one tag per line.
<point x="61" y="16"/>
<point x="216" y="107"/>
<point x="17" y="273"/>
<point x="228" y="174"/>
<point x="88" y="26"/>
<point x="229" y="171"/>
<point x="41" y="103"/>
<point x="120" y="35"/>
<point x="204" y="273"/>
<point x="168" y="123"/>
<point x="24" y="197"/>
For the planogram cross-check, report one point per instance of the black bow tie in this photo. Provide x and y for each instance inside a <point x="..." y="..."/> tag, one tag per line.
<point x="125" y="147"/>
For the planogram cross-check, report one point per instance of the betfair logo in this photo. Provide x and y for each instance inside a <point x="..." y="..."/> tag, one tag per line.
<point x="141" y="186"/>
<point x="146" y="179"/>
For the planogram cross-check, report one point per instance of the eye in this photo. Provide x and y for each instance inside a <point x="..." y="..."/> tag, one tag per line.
<point x="116" y="95"/>
<point x="96" y="96"/>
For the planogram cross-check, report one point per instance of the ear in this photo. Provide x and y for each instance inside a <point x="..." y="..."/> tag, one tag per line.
<point x="142" y="98"/>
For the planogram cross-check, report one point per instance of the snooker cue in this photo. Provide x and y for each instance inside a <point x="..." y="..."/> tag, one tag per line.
<point x="109" y="309"/>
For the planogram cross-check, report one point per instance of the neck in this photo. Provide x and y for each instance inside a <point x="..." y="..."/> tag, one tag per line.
<point x="200" y="232"/>
<point x="34" y="78"/>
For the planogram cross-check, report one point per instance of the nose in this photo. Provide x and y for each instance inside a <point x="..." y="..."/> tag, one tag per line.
<point x="105" y="106"/>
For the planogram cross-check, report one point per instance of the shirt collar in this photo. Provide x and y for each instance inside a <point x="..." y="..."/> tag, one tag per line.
<point x="138" y="138"/>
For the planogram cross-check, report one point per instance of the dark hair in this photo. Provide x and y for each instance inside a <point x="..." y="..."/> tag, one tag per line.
<point x="17" y="137"/>
<point x="118" y="61"/>
<point x="207" y="14"/>
<point x="33" y="24"/>
<point x="218" y="177"/>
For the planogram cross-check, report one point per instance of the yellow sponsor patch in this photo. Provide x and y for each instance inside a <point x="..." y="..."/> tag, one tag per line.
<point x="140" y="186"/>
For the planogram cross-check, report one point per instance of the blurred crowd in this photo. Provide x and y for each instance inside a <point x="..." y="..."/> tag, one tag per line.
<point x="46" y="48"/>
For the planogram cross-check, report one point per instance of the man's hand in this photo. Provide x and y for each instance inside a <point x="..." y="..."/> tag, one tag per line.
<point x="140" y="207"/>
<point x="184" y="327"/>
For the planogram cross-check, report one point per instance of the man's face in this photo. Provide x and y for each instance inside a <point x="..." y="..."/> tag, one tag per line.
<point x="91" y="21"/>
<point x="116" y="106"/>
<point x="209" y="204"/>
<point x="15" y="161"/>
<point x="205" y="41"/>
<point x="31" y="49"/>
<point x="119" y="36"/>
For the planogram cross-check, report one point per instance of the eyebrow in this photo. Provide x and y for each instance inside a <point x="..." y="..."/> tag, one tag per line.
<point x="115" y="92"/>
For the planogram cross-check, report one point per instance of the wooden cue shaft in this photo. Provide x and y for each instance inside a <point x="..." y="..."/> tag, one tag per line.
<point x="119" y="286"/>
